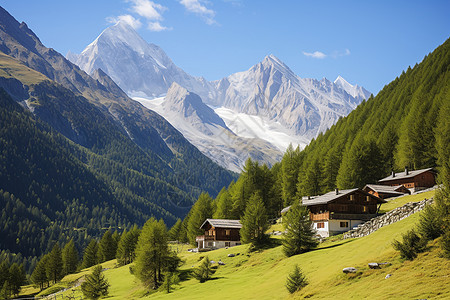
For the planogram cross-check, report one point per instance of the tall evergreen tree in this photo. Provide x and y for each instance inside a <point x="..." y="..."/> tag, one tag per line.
<point x="107" y="247"/>
<point x="70" y="258"/>
<point x="299" y="236"/>
<point x="126" y="250"/>
<point x="224" y="205"/>
<point x="201" y="210"/>
<point x="175" y="230"/>
<point x="254" y="222"/>
<point x="152" y="253"/>
<point x="96" y="285"/>
<point x="90" y="257"/>
<point x="39" y="275"/>
<point x="54" y="265"/>
<point x="290" y="166"/>
<point x="17" y="278"/>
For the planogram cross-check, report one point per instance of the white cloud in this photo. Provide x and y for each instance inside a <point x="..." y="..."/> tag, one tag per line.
<point x="315" y="54"/>
<point x="197" y="7"/>
<point x="321" y="55"/>
<point x="156" y="26"/>
<point x="148" y="9"/>
<point x="132" y="21"/>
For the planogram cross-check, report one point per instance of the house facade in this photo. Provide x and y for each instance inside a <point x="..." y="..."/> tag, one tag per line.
<point x="386" y="191"/>
<point x="341" y="210"/>
<point x="413" y="180"/>
<point x="219" y="233"/>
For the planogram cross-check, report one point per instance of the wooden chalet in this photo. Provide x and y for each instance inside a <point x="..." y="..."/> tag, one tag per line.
<point x="386" y="191"/>
<point x="414" y="180"/>
<point x="219" y="233"/>
<point x="341" y="210"/>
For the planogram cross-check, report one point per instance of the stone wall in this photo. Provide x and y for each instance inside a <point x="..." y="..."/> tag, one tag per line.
<point x="390" y="217"/>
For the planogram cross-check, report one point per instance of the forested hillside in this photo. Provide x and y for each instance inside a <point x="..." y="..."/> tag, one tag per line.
<point x="78" y="156"/>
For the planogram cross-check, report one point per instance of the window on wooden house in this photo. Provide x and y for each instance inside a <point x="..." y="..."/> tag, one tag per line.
<point x="368" y="198"/>
<point x="227" y="231"/>
<point x="321" y="225"/>
<point x="227" y="244"/>
<point x="352" y="197"/>
<point x="365" y="208"/>
<point x="343" y="224"/>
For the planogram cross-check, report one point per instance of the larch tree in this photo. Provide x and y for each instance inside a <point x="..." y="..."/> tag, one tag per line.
<point x="54" y="265"/>
<point x="70" y="257"/>
<point x="96" y="285"/>
<point x="201" y="211"/>
<point x="90" y="254"/>
<point x="152" y="253"/>
<point x="299" y="236"/>
<point x="254" y="222"/>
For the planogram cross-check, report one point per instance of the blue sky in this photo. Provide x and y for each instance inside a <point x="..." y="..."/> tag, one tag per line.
<point x="366" y="42"/>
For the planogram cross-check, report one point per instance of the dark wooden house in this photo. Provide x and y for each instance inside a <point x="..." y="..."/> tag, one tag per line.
<point x="219" y="233"/>
<point x="386" y="191"/>
<point x="414" y="180"/>
<point x="341" y="210"/>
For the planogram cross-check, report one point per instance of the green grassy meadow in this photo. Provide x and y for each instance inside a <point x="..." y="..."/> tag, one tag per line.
<point x="262" y="275"/>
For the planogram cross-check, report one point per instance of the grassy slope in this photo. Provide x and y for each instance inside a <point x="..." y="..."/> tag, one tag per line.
<point x="262" y="275"/>
<point x="11" y="68"/>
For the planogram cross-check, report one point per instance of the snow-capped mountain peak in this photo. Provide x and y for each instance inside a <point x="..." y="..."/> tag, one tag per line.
<point x="353" y="90"/>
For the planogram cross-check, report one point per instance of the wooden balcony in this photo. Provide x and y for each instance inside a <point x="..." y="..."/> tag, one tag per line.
<point x="320" y="217"/>
<point x="205" y="238"/>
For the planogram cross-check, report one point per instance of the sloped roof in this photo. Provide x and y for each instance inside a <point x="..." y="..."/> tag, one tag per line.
<point x="328" y="197"/>
<point x="402" y="175"/>
<point x="384" y="189"/>
<point x="223" y="223"/>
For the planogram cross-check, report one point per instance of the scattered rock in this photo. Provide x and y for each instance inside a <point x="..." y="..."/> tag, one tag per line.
<point x="221" y="263"/>
<point x="374" y="266"/>
<point x="349" y="270"/>
<point x="231" y="255"/>
<point x="387" y="276"/>
<point x="212" y="262"/>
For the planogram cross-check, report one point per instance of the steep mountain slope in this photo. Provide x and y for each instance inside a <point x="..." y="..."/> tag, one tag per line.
<point x="169" y="153"/>
<point x="80" y="156"/>
<point x="204" y="128"/>
<point x="271" y="90"/>
<point x="139" y="68"/>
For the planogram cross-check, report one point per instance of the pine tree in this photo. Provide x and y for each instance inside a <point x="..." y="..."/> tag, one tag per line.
<point x="201" y="210"/>
<point x="254" y="222"/>
<point x="205" y="271"/>
<point x="90" y="254"/>
<point x="54" y="265"/>
<point x="224" y="205"/>
<point x="126" y="250"/>
<point x="299" y="236"/>
<point x="4" y="272"/>
<point x="295" y="280"/>
<point x="152" y="253"/>
<point x="39" y="275"/>
<point x="290" y="166"/>
<point x="174" y="232"/>
<point x="107" y="247"/>
<point x="170" y="279"/>
<point x="70" y="258"/>
<point x="96" y="285"/>
<point x="17" y="278"/>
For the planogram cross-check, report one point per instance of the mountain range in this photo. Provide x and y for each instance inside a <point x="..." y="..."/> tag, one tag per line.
<point x="267" y="106"/>
<point x="79" y="155"/>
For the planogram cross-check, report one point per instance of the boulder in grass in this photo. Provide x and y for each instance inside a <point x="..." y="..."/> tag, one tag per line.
<point x="221" y="263"/>
<point x="349" y="270"/>
<point x="231" y="255"/>
<point x="374" y="266"/>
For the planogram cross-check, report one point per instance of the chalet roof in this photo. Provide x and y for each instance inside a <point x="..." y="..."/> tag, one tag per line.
<point x="403" y="175"/>
<point x="384" y="189"/>
<point x="328" y="197"/>
<point x="223" y="223"/>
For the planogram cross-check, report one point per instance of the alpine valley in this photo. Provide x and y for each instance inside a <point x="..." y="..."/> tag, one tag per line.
<point x="256" y="113"/>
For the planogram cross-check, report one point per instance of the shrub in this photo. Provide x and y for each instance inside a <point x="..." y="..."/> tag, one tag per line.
<point x="95" y="285"/>
<point x="296" y="280"/>
<point x="430" y="223"/>
<point x="412" y="245"/>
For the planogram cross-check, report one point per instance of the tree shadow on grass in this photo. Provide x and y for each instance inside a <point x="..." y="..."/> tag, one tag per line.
<point x="333" y="246"/>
